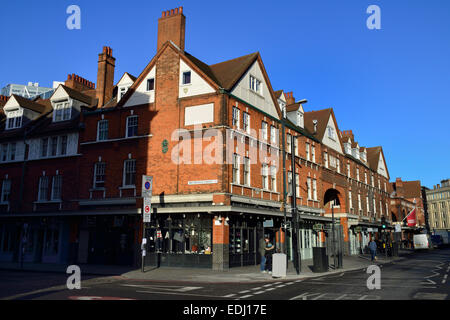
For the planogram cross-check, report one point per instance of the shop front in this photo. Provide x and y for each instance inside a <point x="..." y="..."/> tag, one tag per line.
<point x="179" y="240"/>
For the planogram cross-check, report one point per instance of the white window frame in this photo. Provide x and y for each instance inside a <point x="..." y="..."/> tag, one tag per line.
<point x="101" y="131"/>
<point x="297" y="185"/>
<point x="264" y="130"/>
<point x="236" y="117"/>
<point x="313" y="154"/>
<point x="129" y="118"/>
<point x="61" y="107"/>
<point x="255" y="84"/>
<point x="43" y="186"/>
<point x="6" y="190"/>
<point x="308" y="183"/>
<point x="308" y="155"/>
<point x="273" y="178"/>
<point x="147" y="84"/>
<point x="236" y="169"/>
<point x="265" y="177"/>
<point x="296" y="146"/>
<point x="127" y="165"/>
<point x="273" y="135"/>
<point x="99" y="170"/>
<point x="247" y="171"/>
<point x="57" y="188"/>
<point x="246" y="122"/>
<point x="325" y="157"/>
<point x="288" y="143"/>
<point x="350" y="200"/>
<point x="13" y="122"/>
<point x="314" y="185"/>
<point x="289" y="191"/>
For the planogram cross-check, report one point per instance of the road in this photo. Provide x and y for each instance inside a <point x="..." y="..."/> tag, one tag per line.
<point x="421" y="276"/>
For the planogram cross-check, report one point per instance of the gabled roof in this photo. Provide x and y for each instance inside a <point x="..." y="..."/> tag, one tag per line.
<point x="229" y="72"/>
<point x="411" y="189"/>
<point x="74" y="94"/>
<point x="29" y="104"/>
<point x="373" y="155"/>
<point x="278" y="93"/>
<point x="322" y="117"/>
<point x="293" y="107"/>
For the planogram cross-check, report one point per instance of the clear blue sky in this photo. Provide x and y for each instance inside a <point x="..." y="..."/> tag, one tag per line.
<point x="390" y="86"/>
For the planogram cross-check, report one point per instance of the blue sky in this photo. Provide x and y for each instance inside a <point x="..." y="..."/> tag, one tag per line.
<point x="390" y="86"/>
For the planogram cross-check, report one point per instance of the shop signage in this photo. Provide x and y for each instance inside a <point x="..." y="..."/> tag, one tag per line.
<point x="357" y="229"/>
<point x="317" y="227"/>
<point x="398" y="228"/>
<point x="268" y="223"/>
<point x="192" y="183"/>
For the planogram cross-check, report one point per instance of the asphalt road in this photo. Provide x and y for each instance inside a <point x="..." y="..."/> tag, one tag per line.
<point x="421" y="276"/>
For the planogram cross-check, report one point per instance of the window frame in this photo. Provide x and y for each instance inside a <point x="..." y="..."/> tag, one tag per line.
<point x="101" y="130"/>
<point x="129" y="118"/>
<point x="183" y="78"/>
<point x="43" y="186"/>
<point x="97" y="173"/>
<point x="6" y="190"/>
<point x="59" y="109"/>
<point x="131" y="173"/>
<point x="56" y="188"/>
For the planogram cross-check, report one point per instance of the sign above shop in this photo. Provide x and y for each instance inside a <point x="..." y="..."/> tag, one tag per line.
<point x="192" y="183"/>
<point x="317" y="227"/>
<point x="268" y="223"/>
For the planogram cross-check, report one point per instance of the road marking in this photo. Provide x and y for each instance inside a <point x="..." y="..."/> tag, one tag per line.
<point x="270" y="289"/>
<point x="259" y="292"/>
<point x="247" y="296"/>
<point x="364" y="286"/>
<point x="160" y="287"/>
<point x="429" y="282"/>
<point x="180" y="294"/>
<point x="445" y="278"/>
<point x="230" y="295"/>
<point x="245" y="291"/>
<point x="430" y="296"/>
<point x="332" y="296"/>
<point x="267" y="285"/>
<point x="256" y="289"/>
<point x="281" y="286"/>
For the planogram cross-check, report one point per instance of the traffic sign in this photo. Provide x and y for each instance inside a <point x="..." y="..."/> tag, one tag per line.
<point x="147" y="209"/>
<point x="147" y="185"/>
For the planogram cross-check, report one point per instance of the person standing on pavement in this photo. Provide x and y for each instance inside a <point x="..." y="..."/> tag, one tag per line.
<point x="269" y="250"/>
<point x="262" y="252"/>
<point x="373" y="249"/>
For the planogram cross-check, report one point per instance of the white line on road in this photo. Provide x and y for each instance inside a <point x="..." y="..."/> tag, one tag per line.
<point x="180" y="294"/>
<point x="445" y="278"/>
<point x="245" y="291"/>
<point x="247" y="296"/>
<point x="230" y="295"/>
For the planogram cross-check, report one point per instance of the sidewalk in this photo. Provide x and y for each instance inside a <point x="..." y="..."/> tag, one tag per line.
<point x="233" y="275"/>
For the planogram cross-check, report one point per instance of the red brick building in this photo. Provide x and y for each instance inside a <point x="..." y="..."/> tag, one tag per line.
<point x="212" y="138"/>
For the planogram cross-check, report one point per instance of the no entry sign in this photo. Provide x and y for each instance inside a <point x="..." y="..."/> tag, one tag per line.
<point x="147" y="209"/>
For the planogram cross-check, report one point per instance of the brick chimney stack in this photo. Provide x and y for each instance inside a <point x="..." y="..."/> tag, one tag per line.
<point x="172" y="26"/>
<point x="289" y="98"/>
<point x="105" y="76"/>
<point x="76" y="82"/>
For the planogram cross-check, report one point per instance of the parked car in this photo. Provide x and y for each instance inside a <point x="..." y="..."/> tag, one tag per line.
<point x="421" y="241"/>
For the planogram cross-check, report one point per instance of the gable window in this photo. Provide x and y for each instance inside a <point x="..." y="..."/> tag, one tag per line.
<point x="255" y="84"/>
<point x="62" y="111"/>
<point x="331" y="133"/>
<point x="99" y="175"/>
<point x="6" y="190"/>
<point x="56" y="187"/>
<point x="151" y="84"/>
<point x="129" y="173"/>
<point x="43" y="188"/>
<point x="264" y="130"/>
<point x="132" y="126"/>
<point x="236" y="116"/>
<point x="122" y="91"/>
<point x="102" y="130"/>
<point x="187" y="77"/>
<point x="236" y="166"/>
<point x="246" y="122"/>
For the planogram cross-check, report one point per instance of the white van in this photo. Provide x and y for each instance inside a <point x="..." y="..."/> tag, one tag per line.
<point x="421" y="241"/>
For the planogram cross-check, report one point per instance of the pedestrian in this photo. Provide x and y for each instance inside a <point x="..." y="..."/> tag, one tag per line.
<point x="262" y="252"/>
<point x="373" y="249"/>
<point x="269" y="250"/>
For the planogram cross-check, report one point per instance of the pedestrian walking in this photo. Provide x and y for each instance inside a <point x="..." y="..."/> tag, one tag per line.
<point x="262" y="252"/>
<point x="373" y="249"/>
<point x="269" y="251"/>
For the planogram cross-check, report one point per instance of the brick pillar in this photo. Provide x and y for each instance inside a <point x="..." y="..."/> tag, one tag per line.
<point x="221" y="240"/>
<point x="280" y="238"/>
<point x="344" y="223"/>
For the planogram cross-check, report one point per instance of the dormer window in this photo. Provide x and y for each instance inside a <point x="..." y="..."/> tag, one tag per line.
<point x="122" y="91"/>
<point x="300" y="119"/>
<point x="62" y="111"/>
<point x="14" y="119"/>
